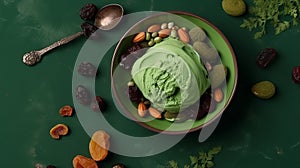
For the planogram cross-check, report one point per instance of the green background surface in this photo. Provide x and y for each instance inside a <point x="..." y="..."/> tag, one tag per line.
<point x="252" y="132"/>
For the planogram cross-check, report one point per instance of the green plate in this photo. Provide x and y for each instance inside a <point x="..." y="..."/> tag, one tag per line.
<point x="121" y="77"/>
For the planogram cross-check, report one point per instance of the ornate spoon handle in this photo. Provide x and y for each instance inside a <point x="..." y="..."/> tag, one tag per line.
<point x="34" y="56"/>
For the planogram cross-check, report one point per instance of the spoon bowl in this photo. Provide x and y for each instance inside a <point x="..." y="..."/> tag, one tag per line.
<point x="109" y="16"/>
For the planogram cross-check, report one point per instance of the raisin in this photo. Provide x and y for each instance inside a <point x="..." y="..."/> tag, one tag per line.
<point x="131" y="55"/>
<point x="265" y="57"/>
<point x="206" y="105"/>
<point x="82" y="95"/>
<point x="89" y="30"/>
<point x="88" y="12"/>
<point x="135" y="95"/>
<point x="87" y="69"/>
<point x="51" y="166"/>
<point x="296" y="74"/>
<point x="98" y="104"/>
<point x="119" y="165"/>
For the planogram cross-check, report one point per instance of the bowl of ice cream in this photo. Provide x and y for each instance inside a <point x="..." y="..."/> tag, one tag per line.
<point x="173" y="72"/>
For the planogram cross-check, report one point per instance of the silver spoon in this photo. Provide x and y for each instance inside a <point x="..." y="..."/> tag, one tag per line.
<point x="106" y="18"/>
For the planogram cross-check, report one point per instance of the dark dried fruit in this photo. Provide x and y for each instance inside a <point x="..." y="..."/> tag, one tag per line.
<point x="51" y="166"/>
<point x="89" y="30"/>
<point x="296" y="74"/>
<point x="119" y="165"/>
<point x="83" y="95"/>
<point x="98" y="104"/>
<point x="206" y="105"/>
<point x="66" y="111"/>
<point x="87" y="69"/>
<point x="135" y="95"/>
<point x="88" y="12"/>
<point x="131" y="55"/>
<point x="265" y="57"/>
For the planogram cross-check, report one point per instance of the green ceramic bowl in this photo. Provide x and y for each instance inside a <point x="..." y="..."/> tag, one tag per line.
<point x="120" y="77"/>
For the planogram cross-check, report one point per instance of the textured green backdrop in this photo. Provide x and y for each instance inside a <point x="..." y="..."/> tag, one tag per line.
<point x="252" y="132"/>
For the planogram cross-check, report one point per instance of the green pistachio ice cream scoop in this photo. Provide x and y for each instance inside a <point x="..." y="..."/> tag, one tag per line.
<point x="171" y="75"/>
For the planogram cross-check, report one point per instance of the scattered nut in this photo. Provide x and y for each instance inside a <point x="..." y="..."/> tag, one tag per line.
<point x="218" y="95"/>
<point x="139" y="37"/>
<point x="183" y="35"/>
<point x="164" y="33"/>
<point x="155" y="113"/>
<point x="142" y="109"/>
<point x="153" y="28"/>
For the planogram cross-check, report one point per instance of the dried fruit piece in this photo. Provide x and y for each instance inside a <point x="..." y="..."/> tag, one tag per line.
<point x="51" y="166"/>
<point x="265" y="57"/>
<point x="139" y="37"/>
<point x="98" y="104"/>
<point x="296" y="74"/>
<point x="142" y="109"/>
<point x="59" y="130"/>
<point x="135" y="95"/>
<point x="183" y="35"/>
<point x="155" y="113"/>
<point x="66" y="111"/>
<point x="88" y="12"/>
<point x="82" y="95"/>
<point x="87" y="69"/>
<point x="119" y="165"/>
<point x="263" y="89"/>
<point x="99" y="145"/>
<point x="89" y="30"/>
<point x="80" y="161"/>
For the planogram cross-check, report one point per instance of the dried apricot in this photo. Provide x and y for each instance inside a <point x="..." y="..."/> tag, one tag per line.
<point x="80" y="161"/>
<point x="66" y="111"/>
<point x="99" y="145"/>
<point x="59" y="130"/>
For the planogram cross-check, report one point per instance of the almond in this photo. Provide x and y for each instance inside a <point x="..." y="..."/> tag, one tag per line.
<point x="154" y="28"/>
<point x="139" y="37"/>
<point x="142" y="109"/>
<point x="164" y="33"/>
<point x="183" y="35"/>
<point x="218" y="95"/>
<point x="155" y="113"/>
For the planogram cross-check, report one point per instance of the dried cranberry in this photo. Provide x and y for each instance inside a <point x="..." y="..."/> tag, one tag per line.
<point x="89" y="30"/>
<point x="98" y="104"/>
<point x="265" y="57"/>
<point x="87" y="69"/>
<point x="296" y="74"/>
<point x="135" y="95"/>
<point x="82" y="95"/>
<point x="88" y="12"/>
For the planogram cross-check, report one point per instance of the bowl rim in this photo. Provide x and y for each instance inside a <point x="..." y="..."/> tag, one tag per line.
<point x="235" y="79"/>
